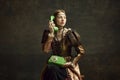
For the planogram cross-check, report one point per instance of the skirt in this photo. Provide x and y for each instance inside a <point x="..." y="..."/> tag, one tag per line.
<point x="54" y="72"/>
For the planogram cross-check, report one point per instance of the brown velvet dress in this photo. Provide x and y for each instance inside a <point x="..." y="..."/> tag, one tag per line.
<point x="68" y="48"/>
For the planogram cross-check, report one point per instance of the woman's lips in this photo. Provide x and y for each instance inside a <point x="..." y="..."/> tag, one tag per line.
<point x="62" y="22"/>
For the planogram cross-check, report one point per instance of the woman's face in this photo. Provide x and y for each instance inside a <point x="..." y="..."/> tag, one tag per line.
<point x="61" y="19"/>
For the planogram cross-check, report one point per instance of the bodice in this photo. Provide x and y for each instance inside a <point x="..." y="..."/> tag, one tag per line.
<point x="61" y="47"/>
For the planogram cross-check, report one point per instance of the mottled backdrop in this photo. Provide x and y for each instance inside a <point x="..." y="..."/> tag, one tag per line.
<point x="22" y="23"/>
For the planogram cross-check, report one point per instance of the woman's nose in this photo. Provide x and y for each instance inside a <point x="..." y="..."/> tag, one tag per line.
<point x="63" y="19"/>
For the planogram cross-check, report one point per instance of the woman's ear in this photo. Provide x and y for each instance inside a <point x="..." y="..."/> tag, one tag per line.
<point x="54" y="20"/>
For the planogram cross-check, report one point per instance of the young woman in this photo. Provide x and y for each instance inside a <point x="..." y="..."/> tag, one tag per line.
<point x="60" y="43"/>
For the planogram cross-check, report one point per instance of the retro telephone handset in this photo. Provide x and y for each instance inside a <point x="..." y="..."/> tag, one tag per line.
<point x="51" y="19"/>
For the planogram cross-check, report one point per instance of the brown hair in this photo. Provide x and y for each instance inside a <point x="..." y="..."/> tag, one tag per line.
<point x="58" y="11"/>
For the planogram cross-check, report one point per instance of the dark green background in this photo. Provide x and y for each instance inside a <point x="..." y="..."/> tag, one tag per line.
<point x="22" y="23"/>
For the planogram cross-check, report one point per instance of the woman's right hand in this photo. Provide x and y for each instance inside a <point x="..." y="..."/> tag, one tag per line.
<point x="51" y="26"/>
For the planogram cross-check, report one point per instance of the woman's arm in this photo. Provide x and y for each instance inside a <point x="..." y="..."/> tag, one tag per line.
<point x="50" y="35"/>
<point x="47" y="45"/>
<point x="80" y="50"/>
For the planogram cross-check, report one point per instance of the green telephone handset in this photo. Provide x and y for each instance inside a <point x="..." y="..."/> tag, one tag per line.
<point x="51" y="19"/>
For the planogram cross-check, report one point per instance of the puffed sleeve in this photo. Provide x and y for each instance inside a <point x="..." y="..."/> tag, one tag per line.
<point x="45" y="36"/>
<point x="74" y="39"/>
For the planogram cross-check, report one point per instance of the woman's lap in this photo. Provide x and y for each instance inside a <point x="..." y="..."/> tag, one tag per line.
<point x="54" y="72"/>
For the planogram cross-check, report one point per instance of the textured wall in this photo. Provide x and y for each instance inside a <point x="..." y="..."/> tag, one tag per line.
<point x="22" y="23"/>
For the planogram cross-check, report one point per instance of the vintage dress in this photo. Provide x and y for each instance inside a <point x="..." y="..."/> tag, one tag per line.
<point x="64" y="48"/>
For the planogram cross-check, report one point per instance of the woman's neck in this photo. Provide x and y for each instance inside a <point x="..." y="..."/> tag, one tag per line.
<point x="60" y="28"/>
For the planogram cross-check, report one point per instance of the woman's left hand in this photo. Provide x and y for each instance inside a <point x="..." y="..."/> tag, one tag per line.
<point x="69" y="65"/>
